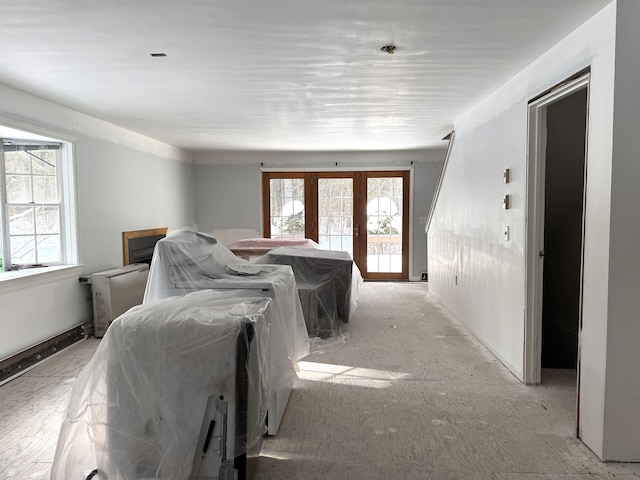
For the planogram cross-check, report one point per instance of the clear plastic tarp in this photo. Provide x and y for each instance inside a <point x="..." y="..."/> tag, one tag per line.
<point x="328" y="282"/>
<point x="188" y="261"/>
<point x="166" y="376"/>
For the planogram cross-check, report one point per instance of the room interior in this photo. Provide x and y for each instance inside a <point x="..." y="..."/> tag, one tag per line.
<point x="170" y="115"/>
<point x="411" y="394"/>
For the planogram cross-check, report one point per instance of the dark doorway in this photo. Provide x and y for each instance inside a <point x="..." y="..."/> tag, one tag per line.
<point x="563" y="229"/>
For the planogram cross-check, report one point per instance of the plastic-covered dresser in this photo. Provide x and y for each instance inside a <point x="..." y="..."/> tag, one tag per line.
<point x="176" y="390"/>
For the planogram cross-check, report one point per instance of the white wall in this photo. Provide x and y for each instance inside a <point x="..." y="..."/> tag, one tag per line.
<point x="34" y="313"/>
<point x="121" y="189"/>
<point x="124" y="181"/>
<point x="465" y="235"/>
<point x="622" y="401"/>
<point x="425" y="180"/>
<point x="473" y="272"/>
<point x="228" y="196"/>
<point x="228" y="186"/>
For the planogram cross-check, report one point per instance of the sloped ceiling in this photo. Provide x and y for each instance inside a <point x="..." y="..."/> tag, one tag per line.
<point x="278" y="75"/>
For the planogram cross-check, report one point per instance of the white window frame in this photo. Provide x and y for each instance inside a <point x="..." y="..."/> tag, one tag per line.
<point x="67" y="188"/>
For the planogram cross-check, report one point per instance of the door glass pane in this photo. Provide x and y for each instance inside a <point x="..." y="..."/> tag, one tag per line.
<point x="384" y="225"/>
<point x="287" y="207"/>
<point x="335" y="214"/>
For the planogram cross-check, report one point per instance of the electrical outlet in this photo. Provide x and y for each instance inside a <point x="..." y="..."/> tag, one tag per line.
<point x="424" y="277"/>
<point x="423" y="220"/>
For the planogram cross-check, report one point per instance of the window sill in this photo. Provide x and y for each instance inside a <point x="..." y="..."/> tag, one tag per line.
<point x="30" y="277"/>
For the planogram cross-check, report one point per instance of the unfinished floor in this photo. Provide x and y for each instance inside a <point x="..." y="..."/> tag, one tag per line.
<point x="410" y="395"/>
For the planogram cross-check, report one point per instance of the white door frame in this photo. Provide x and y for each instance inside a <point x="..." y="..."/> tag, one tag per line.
<point x="534" y="257"/>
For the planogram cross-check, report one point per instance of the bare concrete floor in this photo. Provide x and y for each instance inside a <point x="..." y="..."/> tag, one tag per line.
<point x="410" y="395"/>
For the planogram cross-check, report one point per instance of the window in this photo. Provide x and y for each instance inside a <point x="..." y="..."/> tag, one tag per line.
<point x="37" y="215"/>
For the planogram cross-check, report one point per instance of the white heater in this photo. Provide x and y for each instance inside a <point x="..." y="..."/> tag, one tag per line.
<point x="114" y="292"/>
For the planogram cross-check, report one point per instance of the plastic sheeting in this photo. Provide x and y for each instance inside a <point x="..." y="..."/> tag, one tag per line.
<point x="189" y="261"/>
<point x="328" y="282"/>
<point x="137" y="409"/>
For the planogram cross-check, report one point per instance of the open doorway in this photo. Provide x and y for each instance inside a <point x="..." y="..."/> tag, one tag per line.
<point x="563" y="214"/>
<point x="555" y="228"/>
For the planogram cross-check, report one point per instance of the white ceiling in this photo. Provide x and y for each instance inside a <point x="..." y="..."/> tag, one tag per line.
<point x="278" y="74"/>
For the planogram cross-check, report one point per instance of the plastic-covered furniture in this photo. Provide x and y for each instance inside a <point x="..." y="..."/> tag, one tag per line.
<point x="328" y="283"/>
<point x="189" y="261"/>
<point x="177" y="389"/>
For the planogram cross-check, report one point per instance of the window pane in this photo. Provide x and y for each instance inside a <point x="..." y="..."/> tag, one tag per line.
<point x="23" y="250"/>
<point x="21" y="221"/>
<point x="287" y="207"/>
<point x="384" y="224"/>
<point x="48" y="248"/>
<point x="45" y="189"/>
<point x="18" y="188"/>
<point x="335" y="214"/>
<point x="17" y="162"/>
<point x="43" y="162"/>
<point x="47" y="220"/>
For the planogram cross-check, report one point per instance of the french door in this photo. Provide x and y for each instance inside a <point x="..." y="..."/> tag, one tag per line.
<point x="362" y="213"/>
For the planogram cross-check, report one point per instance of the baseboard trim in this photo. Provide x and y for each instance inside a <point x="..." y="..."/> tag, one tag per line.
<point x="25" y="360"/>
